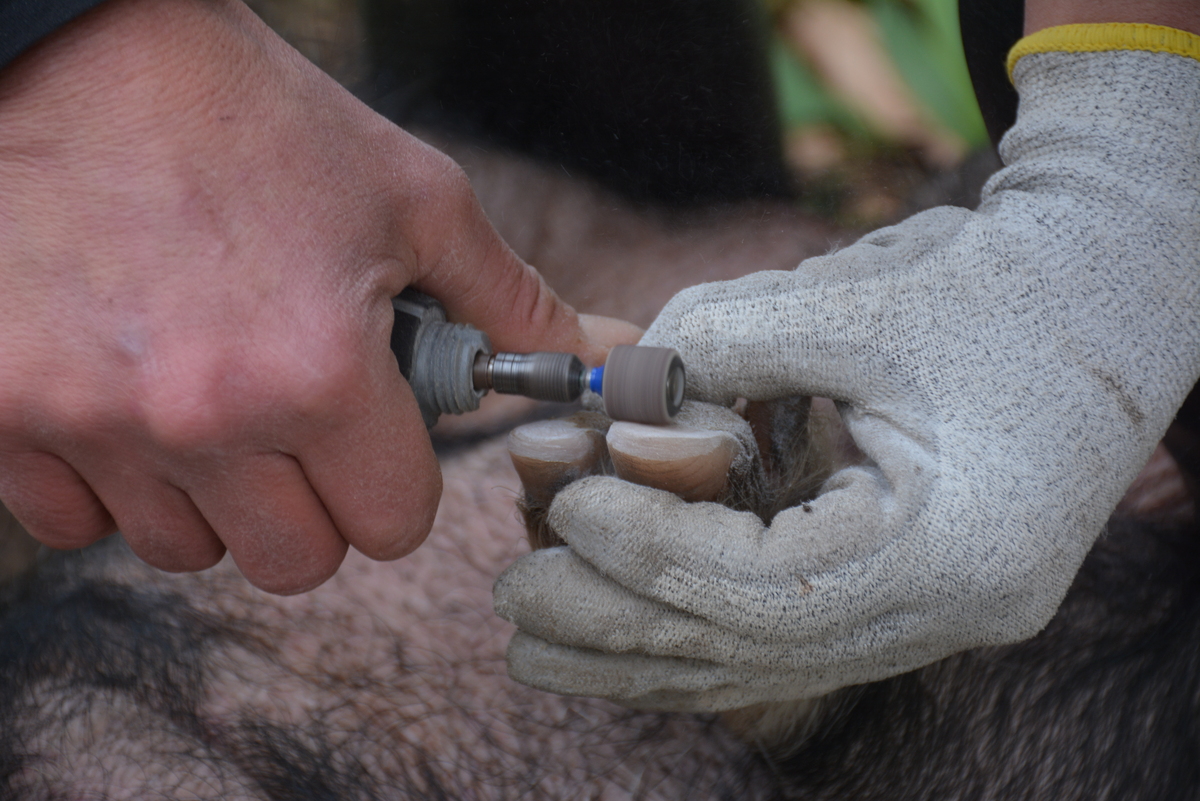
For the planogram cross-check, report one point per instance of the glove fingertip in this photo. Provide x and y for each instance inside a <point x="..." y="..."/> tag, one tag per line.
<point x="520" y="584"/>
<point x="531" y="661"/>
<point x="596" y="503"/>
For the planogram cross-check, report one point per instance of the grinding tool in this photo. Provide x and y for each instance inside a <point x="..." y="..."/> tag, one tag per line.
<point x="451" y="366"/>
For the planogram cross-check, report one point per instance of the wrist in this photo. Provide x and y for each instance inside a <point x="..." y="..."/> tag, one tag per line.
<point x="1041" y="14"/>
<point x="1106" y="37"/>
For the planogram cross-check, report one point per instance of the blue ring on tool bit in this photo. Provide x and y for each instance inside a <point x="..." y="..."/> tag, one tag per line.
<point x="596" y="379"/>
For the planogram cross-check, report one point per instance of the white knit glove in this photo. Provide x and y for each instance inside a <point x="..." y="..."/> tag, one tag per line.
<point x="1007" y="372"/>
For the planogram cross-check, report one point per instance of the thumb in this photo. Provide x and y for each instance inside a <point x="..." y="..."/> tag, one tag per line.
<point x="463" y="262"/>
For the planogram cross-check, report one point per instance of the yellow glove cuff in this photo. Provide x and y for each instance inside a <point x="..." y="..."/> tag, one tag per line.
<point x="1106" y="36"/>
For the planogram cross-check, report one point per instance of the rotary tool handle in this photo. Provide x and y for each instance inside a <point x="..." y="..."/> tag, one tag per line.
<point x="437" y="358"/>
<point x="412" y="312"/>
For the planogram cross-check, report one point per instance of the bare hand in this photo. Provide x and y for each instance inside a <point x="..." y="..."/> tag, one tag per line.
<point x="199" y="236"/>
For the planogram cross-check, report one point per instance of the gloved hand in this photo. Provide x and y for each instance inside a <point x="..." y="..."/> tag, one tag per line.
<point x="1007" y="372"/>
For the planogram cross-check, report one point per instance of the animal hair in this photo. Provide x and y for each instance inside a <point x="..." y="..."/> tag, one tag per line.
<point x="105" y="675"/>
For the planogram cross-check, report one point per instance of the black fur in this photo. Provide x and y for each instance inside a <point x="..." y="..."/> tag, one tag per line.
<point x="989" y="29"/>
<point x="74" y="638"/>
<point x="77" y="640"/>
<point x="1104" y="704"/>
<point x="666" y="101"/>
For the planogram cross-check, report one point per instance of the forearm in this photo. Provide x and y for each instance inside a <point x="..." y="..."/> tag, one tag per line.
<point x="1179" y="14"/>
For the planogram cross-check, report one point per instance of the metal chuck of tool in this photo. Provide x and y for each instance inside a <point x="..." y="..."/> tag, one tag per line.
<point x="451" y="366"/>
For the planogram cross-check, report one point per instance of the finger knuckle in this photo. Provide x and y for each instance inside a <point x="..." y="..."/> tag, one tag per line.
<point x="214" y="402"/>
<point x="400" y="529"/>
<point x="68" y="417"/>
<point x="325" y="379"/>
<point x="453" y="181"/>
<point x="190" y="411"/>
<point x="445" y="195"/>
<point x="439" y="173"/>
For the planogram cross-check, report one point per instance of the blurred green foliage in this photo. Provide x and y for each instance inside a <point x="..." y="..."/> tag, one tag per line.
<point x="923" y="40"/>
<point x="803" y="100"/>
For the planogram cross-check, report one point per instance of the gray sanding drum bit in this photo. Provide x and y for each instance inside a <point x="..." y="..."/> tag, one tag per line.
<point x="451" y="366"/>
